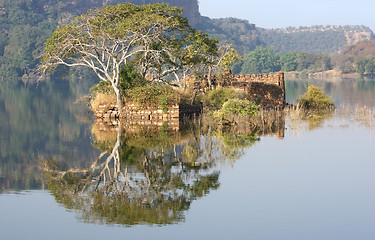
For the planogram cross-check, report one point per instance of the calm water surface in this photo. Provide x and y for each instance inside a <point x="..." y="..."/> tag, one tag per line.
<point x="62" y="176"/>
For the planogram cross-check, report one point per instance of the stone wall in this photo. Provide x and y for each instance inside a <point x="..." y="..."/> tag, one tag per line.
<point x="275" y="79"/>
<point x="266" y="89"/>
<point x="137" y="115"/>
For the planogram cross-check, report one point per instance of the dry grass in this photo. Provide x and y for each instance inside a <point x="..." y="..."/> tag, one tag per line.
<point x="362" y="115"/>
<point x="100" y="99"/>
<point x="103" y="132"/>
<point x="346" y="116"/>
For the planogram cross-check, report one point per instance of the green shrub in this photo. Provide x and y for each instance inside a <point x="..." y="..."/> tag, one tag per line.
<point x="241" y="107"/>
<point x="129" y="78"/>
<point x="153" y="95"/>
<point x="315" y="98"/>
<point x="217" y="97"/>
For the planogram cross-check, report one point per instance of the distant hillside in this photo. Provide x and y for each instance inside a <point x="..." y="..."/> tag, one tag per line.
<point x="345" y="61"/>
<point x="317" y="39"/>
<point x="242" y="34"/>
<point x="191" y="7"/>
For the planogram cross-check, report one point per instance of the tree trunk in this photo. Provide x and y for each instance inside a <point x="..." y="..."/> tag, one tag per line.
<point x="194" y="96"/>
<point x="209" y="77"/>
<point x="118" y="96"/>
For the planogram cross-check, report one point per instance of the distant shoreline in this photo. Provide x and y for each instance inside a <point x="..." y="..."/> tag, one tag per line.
<point x="329" y="75"/>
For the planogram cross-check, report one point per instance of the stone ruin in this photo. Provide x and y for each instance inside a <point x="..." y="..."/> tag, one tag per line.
<point x="267" y="90"/>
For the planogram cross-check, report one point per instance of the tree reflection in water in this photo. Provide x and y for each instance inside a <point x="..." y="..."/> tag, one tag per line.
<point x="146" y="176"/>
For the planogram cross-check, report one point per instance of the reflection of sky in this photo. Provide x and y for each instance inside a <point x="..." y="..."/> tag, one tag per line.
<point x="343" y="92"/>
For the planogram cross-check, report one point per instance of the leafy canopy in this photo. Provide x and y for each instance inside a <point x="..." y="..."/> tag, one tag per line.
<point x="156" y="39"/>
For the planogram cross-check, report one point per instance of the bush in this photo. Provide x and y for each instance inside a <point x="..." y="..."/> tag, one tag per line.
<point x="153" y="95"/>
<point x="129" y="78"/>
<point x="216" y="98"/>
<point x="242" y="107"/>
<point x="315" y="98"/>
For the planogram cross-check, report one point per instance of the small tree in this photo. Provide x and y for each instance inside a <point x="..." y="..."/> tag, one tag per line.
<point x="105" y="40"/>
<point x="223" y="61"/>
<point x="316" y="99"/>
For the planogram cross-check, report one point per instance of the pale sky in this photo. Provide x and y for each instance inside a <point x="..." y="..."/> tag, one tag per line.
<point x="284" y="13"/>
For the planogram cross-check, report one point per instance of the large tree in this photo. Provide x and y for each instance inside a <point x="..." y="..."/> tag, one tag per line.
<point x="155" y="36"/>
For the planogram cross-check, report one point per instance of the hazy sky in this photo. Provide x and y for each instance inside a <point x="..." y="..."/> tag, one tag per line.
<point x="284" y="13"/>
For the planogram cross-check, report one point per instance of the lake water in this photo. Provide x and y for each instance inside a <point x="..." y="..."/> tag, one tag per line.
<point x="64" y="177"/>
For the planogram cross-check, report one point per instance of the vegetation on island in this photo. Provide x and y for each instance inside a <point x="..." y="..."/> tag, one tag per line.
<point x="222" y="103"/>
<point x="315" y="99"/>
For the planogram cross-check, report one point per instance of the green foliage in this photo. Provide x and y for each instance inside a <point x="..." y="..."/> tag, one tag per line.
<point x="361" y="66"/>
<point x="156" y="39"/>
<point x="27" y="24"/>
<point x="201" y="50"/>
<point x="265" y="60"/>
<point x="234" y="144"/>
<point x="163" y="95"/>
<point x="130" y="78"/>
<point x="217" y="97"/>
<point x="235" y="106"/>
<point x="241" y="34"/>
<point x="313" y="62"/>
<point x="370" y="66"/>
<point x="366" y="66"/>
<point x="315" y="98"/>
<point x="288" y="61"/>
<point x="261" y="60"/>
<point x="230" y="56"/>
<point x="25" y="27"/>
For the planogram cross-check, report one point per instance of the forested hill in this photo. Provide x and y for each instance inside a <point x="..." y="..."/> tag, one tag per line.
<point x="316" y="39"/>
<point x="26" y="24"/>
<point x="240" y="33"/>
